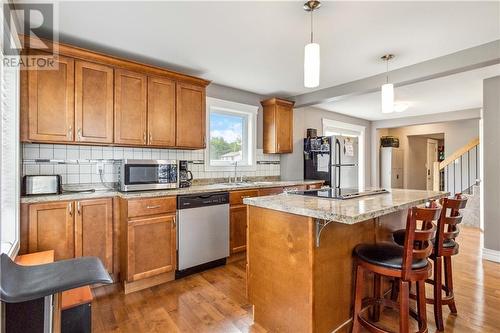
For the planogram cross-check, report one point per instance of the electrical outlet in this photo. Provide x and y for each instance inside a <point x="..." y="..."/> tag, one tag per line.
<point x="99" y="168"/>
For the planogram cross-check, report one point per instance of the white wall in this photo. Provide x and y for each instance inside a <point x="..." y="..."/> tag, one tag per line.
<point x="491" y="150"/>
<point x="292" y="165"/>
<point x="457" y="133"/>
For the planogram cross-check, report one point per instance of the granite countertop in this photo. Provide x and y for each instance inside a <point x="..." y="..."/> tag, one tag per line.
<point x="104" y="193"/>
<point x="349" y="211"/>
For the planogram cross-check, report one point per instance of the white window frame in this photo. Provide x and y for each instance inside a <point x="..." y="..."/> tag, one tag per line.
<point x="347" y="129"/>
<point x="9" y="159"/>
<point x="249" y="149"/>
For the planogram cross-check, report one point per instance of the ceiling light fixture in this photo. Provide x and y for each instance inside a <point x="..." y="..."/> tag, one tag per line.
<point x="311" y="52"/>
<point x="387" y="88"/>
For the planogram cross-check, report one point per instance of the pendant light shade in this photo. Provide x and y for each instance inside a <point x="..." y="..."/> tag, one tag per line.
<point x="388" y="88"/>
<point x="388" y="98"/>
<point x="311" y="51"/>
<point x="311" y="65"/>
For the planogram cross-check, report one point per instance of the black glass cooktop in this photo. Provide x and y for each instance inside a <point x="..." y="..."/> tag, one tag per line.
<point x="340" y="193"/>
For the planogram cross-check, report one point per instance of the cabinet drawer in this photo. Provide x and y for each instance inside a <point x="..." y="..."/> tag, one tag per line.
<point x="295" y="188"/>
<point x="152" y="206"/>
<point x="236" y="197"/>
<point x="270" y="191"/>
<point x="314" y="186"/>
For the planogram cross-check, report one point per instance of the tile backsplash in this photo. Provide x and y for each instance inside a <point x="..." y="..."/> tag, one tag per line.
<point x="78" y="164"/>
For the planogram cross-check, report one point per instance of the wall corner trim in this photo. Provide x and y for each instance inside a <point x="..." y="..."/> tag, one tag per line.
<point x="491" y="255"/>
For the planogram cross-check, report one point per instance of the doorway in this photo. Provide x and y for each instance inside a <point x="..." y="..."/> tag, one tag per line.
<point x="432" y="157"/>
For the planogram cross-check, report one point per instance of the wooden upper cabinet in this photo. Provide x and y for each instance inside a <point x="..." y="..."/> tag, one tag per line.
<point x="161" y="112"/>
<point x="50" y="103"/>
<point x="190" y="114"/>
<point x="278" y="126"/>
<point x="93" y="102"/>
<point x="151" y="247"/>
<point x="130" y="107"/>
<point x="94" y="230"/>
<point x="51" y="228"/>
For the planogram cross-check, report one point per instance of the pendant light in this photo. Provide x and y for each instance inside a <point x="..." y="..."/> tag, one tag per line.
<point x="387" y="88"/>
<point x="311" y="52"/>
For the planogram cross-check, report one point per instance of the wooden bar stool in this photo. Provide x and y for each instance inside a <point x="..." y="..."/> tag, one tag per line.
<point x="407" y="264"/>
<point x="445" y="246"/>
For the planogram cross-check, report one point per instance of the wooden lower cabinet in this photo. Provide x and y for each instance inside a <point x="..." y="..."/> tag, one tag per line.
<point x="73" y="229"/>
<point x="151" y="247"/>
<point x="94" y="230"/>
<point x="238" y="228"/>
<point x="51" y="227"/>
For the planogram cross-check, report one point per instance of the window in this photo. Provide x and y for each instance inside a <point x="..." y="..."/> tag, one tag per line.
<point x="9" y="159"/>
<point x="231" y="135"/>
<point x="333" y="127"/>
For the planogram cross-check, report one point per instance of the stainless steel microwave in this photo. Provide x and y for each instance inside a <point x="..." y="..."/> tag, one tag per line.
<point x="139" y="175"/>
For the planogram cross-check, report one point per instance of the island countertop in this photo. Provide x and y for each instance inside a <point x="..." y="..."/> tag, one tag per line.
<point x="348" y="211"/>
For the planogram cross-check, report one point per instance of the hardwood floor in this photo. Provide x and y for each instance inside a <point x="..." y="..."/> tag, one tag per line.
<point x="215" y="300"/>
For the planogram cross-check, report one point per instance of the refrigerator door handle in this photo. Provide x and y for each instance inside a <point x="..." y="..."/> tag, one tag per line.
<point x="338" y="186"/>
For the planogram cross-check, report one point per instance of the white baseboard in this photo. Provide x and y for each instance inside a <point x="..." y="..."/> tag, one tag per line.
<point x="491" y="255"/>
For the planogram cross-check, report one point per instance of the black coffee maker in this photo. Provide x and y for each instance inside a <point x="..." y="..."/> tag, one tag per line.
<point x="185" y="176"/>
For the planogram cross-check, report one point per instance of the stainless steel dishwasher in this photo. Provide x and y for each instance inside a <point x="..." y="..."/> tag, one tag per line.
<point x="202" y="232"/>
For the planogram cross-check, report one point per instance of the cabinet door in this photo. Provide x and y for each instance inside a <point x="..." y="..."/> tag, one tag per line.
<point x="151" y="247"/>
<point x="94" y="230"/>
<point x="161" y="112"/>
<point x="238" y="232"/>
<point x="51" y="108"/>
<point x="190" y="112"/>
<point x="284" y="128"/>
<point x="130" y="107"/>
<point x="94" y="102"/>
<point x="51" y="228"/>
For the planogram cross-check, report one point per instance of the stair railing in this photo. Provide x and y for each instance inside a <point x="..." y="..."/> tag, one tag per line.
<point x="460" y="171"/>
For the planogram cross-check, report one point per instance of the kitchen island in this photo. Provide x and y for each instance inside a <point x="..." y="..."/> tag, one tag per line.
<point x="299" y="252"/>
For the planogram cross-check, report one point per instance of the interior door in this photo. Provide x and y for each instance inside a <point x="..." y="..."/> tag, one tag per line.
<point x="161" y="112"/>
<point x="130" y="107"/>
<point x="432" y="156"/>
<point x="51" y="102"/>
<point x="93" y="102"/>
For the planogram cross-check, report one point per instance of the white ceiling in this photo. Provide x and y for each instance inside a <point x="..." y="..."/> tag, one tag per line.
<point x="450" y="93"/>
<point x="258" y="46"/>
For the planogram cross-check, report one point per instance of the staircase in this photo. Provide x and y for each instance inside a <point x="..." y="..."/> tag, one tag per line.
<point x="460" y="173"/>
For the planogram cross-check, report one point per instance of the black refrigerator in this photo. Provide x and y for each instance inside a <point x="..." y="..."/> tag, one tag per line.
<point x="333" y="159"/>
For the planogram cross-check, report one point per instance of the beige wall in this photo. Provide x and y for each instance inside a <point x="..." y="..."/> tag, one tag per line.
<point x="456" y="134"/>
<point x="491" y="150"/>
<point x="292" y="165"/>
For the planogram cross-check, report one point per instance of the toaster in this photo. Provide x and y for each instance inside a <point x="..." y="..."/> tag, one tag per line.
<point x="49" y="184"/>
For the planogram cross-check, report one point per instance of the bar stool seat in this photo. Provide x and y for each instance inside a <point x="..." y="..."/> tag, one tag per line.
<point x="386" y="255"/>
<point x="399" y="238"/>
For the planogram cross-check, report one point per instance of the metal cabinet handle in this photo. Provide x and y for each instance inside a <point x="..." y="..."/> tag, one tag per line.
<point x="144" y="136"/>
<point x="150" y="137"/>
<point x="278" y="146"/>
<point x="79" y="133"/>
<point x="70" y="208"/>
<point x="174" y="223"/>
<point x="78" y="207"/>
<point x="70" y="131"/>
<point x="153" y="207"/>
